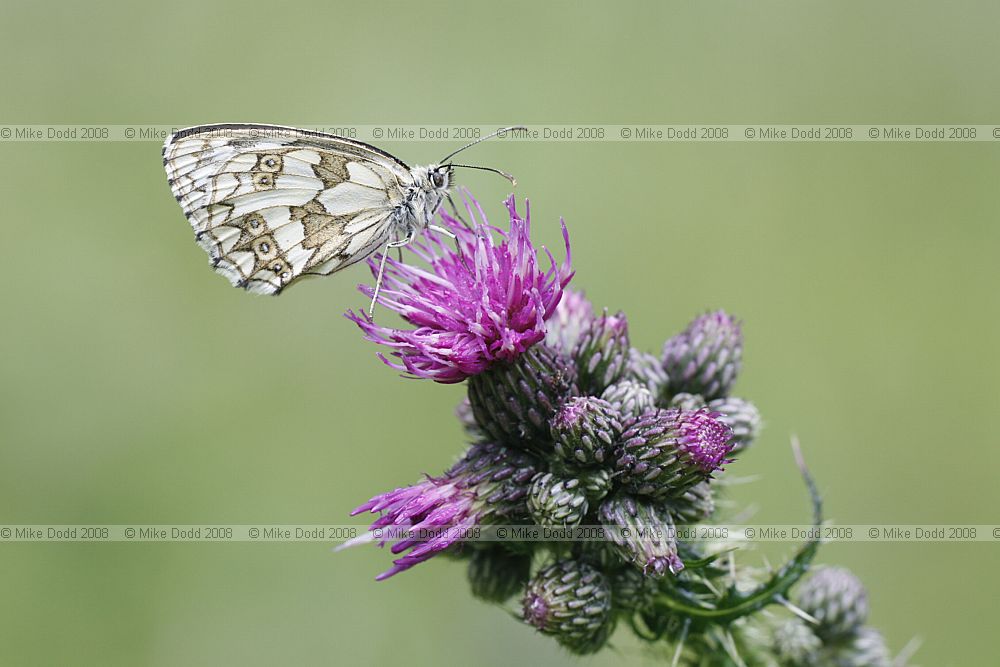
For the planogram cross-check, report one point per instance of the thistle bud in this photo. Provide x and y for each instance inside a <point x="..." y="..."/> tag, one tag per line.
<point x="595" y="482"/>
<point x="664" y="453"/>
<point x="496" y="574"/>
<point x="795" y="644"/>
<point x="631" y="590"/>
<point x="643" y="533"/>
<point x="740" y="415"/>
<point x="573" y="314"/>
<point x="693" y="506"/>
<point x="571" y="601"/>
<point x="602" y="352"/>
<point x="629" y="398"/>
<point x="647" y="370"/>
<point x="584" y="430"/>
<point x="865" y="648"/>
<point x="513" y="401"/>
<point x="555" y="501"/>
<point x="837" y="599"/>
<point x="686" y="401"/>
<point x="705" y="358"/>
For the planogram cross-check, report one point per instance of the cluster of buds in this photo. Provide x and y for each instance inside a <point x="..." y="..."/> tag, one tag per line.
<point x="838" y="604"/>
<point x="571" y="426"/>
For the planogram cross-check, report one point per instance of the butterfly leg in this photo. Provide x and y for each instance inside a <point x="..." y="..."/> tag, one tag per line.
<point x="381" y="266"/>
<point x="458" y="245"/>
<point x="454" y="209"/>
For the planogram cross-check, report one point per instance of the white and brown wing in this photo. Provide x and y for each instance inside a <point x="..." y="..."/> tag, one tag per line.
<point x="273" y="204"/>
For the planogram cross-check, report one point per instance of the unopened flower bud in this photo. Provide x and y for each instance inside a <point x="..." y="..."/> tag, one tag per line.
<point x="602" y="352"/>
<point x="865" y="648"/>
<point x="664" y="453"/>
<point x="837" y="599"/>
<point x="584" y="430"/>
<point x="496" y="574"/>
<point x="705" y="358"/>
<point x="686" y="401"/>
<point x="693" y="506"/>
<point x="573" y="314"/>
<point x="629" y="398"/>
<point x="595" y="482"/>
<point x="647" y="370"/>
<point x="556" y="501"/>
<point x="740" y="415"/>
<point x="514" y="401"/>
<point x="643" y="533"/>
<point x="571" y="601"/>
<point x="795" y="644"/>
<point x="631" y="590"/>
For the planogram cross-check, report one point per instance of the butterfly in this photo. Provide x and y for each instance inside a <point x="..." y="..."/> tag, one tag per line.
<point x="273" y="205"/>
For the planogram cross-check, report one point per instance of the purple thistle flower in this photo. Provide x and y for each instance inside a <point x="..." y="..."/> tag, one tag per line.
<point x="489" y="482"/>
<point x="432" y="507"/>
<point x="485" y="302"/>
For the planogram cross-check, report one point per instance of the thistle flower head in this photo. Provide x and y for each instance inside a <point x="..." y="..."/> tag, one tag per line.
<point x="647" y="370"/>
<point x="686" y="401"/>
<point x="573" y="314"/>
<point x="740" y="415"/>
<point x="595" y="482"/>
<point x="556" y="501"/>
<point x="795" y="643"/>
<point x="584" y="429"/>
<point x="629" y="398"/>
<point x="495" y="574"/>
<point x="643" y="534"/>
<point x="631" y="590"/>
<point x="865" y="648"/>
<point x="514" y="401"/>
<point x="571" y="601"/>
<point x="837" y="599"/>
<point x="489" y="483"/>
<point x="602" y="352"/>
<point x="665" y="452"/>
<point x="694" y="505"/>
<point x="483" y="302"/>
<point x="705" y="358"/>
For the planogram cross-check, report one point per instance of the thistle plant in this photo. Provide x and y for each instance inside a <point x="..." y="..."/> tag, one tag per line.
<point x="570" y="428"/>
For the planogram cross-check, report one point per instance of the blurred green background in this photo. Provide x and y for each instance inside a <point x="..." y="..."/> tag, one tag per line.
<point x="138" y="387"/>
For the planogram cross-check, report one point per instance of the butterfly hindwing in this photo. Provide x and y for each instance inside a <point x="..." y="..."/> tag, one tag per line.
<point x="271" y="205"/>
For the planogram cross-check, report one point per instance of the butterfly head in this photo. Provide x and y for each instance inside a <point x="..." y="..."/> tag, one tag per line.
<point x="429" y="189"/>
<point x="440" y="176"/>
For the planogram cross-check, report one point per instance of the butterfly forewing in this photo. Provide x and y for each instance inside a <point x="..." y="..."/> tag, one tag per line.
<point x="271" y="205"/>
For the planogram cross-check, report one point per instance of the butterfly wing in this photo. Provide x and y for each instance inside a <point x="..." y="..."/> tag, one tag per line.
<point x="272" y="204"/>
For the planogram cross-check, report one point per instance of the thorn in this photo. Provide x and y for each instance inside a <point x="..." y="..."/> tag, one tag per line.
<point x="730" y="645"/>
<point x="805" y="616"/>
<point x="680" y="643"/>
<point x="908" y="651"/>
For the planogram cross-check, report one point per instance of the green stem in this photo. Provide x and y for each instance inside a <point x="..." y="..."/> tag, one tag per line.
<point x="736" y="605"/>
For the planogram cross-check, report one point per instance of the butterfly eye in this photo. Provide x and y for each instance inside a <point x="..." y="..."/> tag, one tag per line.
<point x="438" y="179"/>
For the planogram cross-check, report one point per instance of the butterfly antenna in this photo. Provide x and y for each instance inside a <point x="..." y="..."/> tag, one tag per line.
<point x="481" y="139"/>
<point x="509" y="177"/>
